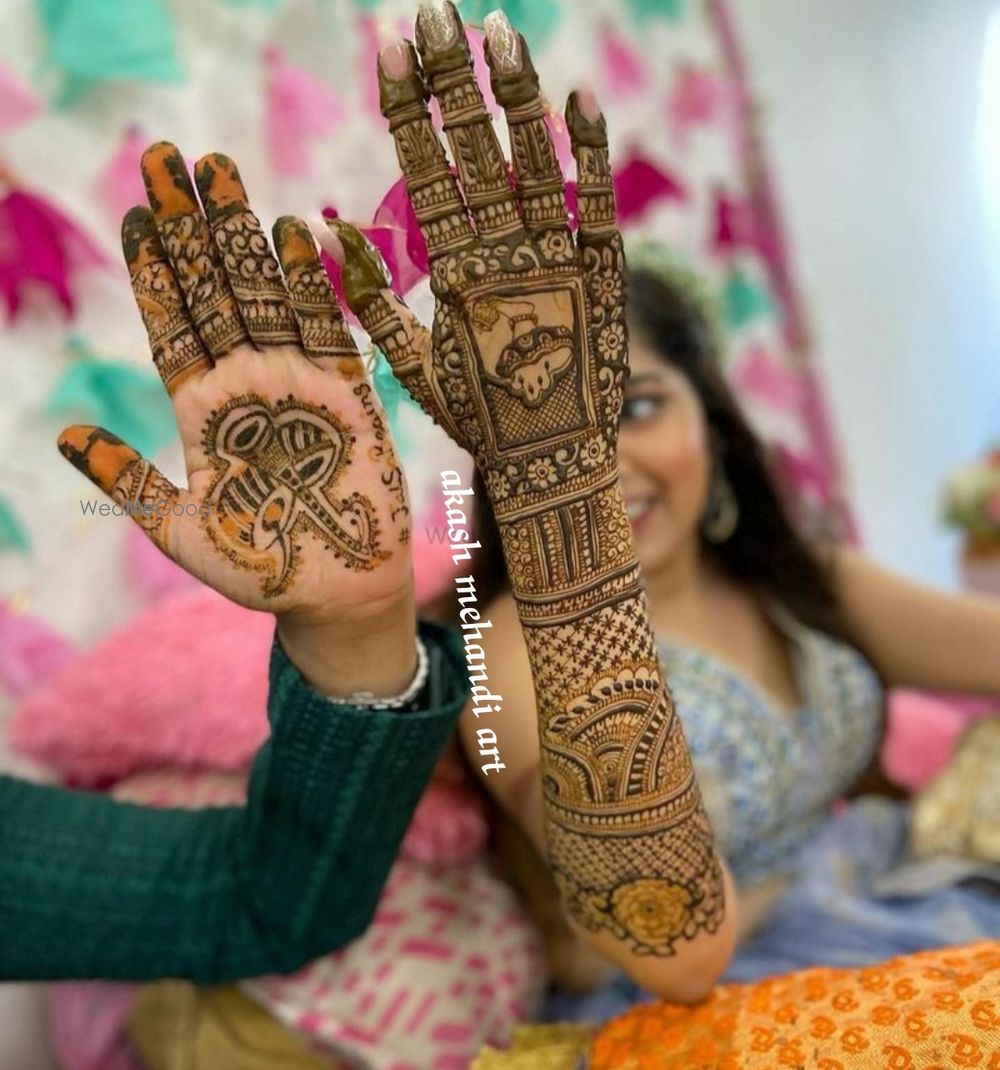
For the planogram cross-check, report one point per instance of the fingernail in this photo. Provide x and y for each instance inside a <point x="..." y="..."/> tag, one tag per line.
<point x="437" y="24"/>
<point x="395" y="60"/>
<point x="324" y="232"/>
<point x="587" y="103"/>
<point x="504" y="43"/>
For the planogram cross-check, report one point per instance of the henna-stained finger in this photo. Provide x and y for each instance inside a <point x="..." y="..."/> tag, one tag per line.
<point x="482" y="169"/>
<point x="594" y="188"/>
<point x="437" y="201"/>
<point x="177" y="350"/>
<point x="403" y="339"/>
<point x="134" y="483"/>
<point x="515" y="85"/>
<point x="249" y="263"/>
<point x="191" y="250"/>
<point x="325" y="336"/>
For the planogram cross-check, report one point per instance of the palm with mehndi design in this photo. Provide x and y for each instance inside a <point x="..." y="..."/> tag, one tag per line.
<point x="525" y="367"/>
<point x="293" y="488"/>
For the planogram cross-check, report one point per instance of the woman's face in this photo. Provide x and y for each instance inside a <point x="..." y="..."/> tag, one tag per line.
<point x="663" y="457"/>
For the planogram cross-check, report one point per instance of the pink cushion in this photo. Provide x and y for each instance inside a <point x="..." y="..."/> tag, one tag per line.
<point x="921" y="736"/>
<point x="183" y="684"/>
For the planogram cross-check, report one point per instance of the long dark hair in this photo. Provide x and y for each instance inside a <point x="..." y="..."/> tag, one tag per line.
<point x="764" y="551"/>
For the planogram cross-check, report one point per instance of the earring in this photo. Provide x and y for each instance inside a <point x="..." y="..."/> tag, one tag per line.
<point x="722" y="513"/>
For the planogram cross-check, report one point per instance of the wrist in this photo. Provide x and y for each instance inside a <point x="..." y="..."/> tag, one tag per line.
<point x="562" y="549"/>
<point x="372" y="648"/>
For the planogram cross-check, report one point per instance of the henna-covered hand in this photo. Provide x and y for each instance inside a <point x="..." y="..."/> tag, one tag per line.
<point x="525" y="368"/>
<point x="295" y="503"/>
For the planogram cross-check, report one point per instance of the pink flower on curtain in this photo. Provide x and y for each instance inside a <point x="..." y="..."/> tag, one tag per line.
<point x="368" y="49"/>
<point x="39" y="245"/>
<point x="757" y="375"/>
<point x="624" y="70"/>
<point x="30" y="651"/>
<point x="698" y="96"/>
<point x="152" y="572"/>
<point x="297" y="108"/>
<point x="806" y="476"/>
<point x="640" y="183"/>
<point x="119" y="183"/>
<point x="17" y="101"/>
<point x="738" y="227"/>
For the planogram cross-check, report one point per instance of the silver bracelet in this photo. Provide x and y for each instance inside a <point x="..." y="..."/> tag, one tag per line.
<point x="369" y="700"/>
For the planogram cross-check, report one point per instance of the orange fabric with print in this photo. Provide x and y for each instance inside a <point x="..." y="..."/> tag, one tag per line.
<point x="935" y="1010"/>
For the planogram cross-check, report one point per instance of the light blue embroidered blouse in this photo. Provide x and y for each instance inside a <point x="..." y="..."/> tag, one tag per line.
<point x="768" y="775"/>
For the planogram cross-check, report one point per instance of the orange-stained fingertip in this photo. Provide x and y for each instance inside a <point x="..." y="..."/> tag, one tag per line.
<point x="294" y="243"/>
<point x="97" y="453"/>
<point x="168" y="184"/>
<point x="219" y="183"/>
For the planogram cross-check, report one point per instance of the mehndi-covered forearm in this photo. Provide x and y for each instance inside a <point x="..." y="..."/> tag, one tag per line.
<point x="629" y="842"/>
<point x="525" y="367"/>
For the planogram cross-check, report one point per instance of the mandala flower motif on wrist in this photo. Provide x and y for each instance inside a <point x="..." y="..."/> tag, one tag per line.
<point x="651" y="911"/>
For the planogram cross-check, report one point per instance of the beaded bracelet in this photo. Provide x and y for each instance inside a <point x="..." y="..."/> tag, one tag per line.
<point x="369" y="700"/>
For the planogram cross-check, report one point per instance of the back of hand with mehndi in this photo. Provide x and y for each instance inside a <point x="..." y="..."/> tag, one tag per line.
<point x="525" y="367"/>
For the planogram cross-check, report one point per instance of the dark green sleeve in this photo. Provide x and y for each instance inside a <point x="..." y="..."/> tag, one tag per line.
<point x="90" y="887"/>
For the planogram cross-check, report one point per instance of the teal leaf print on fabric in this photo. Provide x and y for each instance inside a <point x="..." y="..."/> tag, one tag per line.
<point x="94" y="41"/>
<point x="12" y="533"/>
<point x="126" y="400"/>
<point x="744" y="300"/>
<point x="535" y="19"/>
